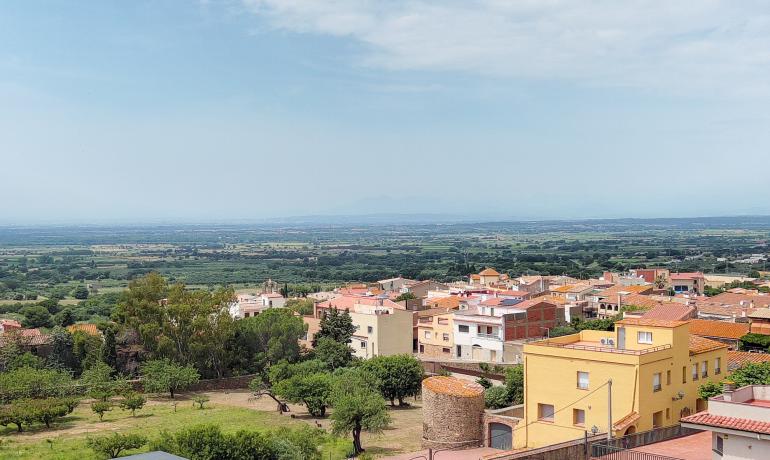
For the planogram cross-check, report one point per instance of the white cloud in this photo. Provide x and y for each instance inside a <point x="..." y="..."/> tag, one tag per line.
<point x="699" y="46"/>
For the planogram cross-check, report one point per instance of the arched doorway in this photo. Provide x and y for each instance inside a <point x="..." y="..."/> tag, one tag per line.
<point x="630" y="430"/>
<point x="500" y="436"/>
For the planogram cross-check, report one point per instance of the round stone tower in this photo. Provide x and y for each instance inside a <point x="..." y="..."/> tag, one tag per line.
<point x="452" y="413"/>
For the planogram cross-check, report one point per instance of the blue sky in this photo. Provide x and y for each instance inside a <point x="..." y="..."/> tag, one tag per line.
<point x="237" y="110"/>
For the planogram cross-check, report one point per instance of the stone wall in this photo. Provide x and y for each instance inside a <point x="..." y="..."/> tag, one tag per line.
<point x="450" y="421"/>
<point x="227" y="383"/>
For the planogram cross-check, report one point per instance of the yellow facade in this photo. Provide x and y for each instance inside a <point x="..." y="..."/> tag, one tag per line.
<point x="381" y="334"/>
<point x="650" y="365"/>
<point x="435" y="335"/>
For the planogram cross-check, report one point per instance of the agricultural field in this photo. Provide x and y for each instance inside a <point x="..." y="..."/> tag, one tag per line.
<point x="53" y="262"/>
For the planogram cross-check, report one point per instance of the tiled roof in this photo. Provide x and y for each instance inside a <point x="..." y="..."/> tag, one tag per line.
<point x="443" y="302"/>
<point x="731" y="298"/>
<point x="646" y="301"/>
<point x="475" y="277"/>
<point x="612" y="292"/>
<point x="10" y="323"/>
<point x="453" y="386"/>
<point x="489" y="272"/>
<point x="84" y="327"/>
<point x="732" y="423"/>
<point x="523" y="305"/>
<point x="721" y="329"/>
<point x="760" y="313"/>
<point x="702" y="345"/>
<point x="30" y="337"/>
<point x="625" y="422"/>
<point x="670" y="311"/>
<point x="433" y="312"/>
<point x="736" y="359"/>
<point x="580" y="287"/>
<point x="650" y="322"/>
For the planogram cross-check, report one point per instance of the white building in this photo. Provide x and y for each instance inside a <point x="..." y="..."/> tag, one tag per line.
<point x="739" y="421"/>
<point x="247" y="305"/>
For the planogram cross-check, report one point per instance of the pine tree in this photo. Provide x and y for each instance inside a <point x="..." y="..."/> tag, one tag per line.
<point x="109" y="354"/>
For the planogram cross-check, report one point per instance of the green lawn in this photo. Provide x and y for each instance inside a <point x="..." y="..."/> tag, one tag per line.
<point x="67" y="439"/>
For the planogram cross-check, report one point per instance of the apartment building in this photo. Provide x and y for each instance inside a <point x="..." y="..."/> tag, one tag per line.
<point x="247" y="305"/>
<point x="608" y="302"/>
<point x="479" y="333"/>
<point x="739" y="422"/>
<point x="655" y="368"/>
<point x="382" y="326"/>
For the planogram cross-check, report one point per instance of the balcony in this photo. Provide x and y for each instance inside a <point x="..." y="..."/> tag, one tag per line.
<point x="482" y="335"/>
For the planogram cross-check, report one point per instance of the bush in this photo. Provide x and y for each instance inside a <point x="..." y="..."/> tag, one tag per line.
<point x="709" y="390"/>
<point x="162" y="375"/>
<point x="31" y="383"/>
<point x="112" y="446"/>
<point x="496" y="397"/>
<point x="101" y="407"/>
<point x="133" y="401"/>
<point x="200" y="400"/>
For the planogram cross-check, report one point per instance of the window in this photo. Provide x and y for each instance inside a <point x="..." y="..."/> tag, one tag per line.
<point x="422" y="348"/>
<point x="369" y="329"/>
<point x="446" y="351"/>
<point x="363" y="344"/>
<point x="459" y="351"/>
<point x="656" y="382"/>
<point x="668" y="377"/>
<point x="427" y="334"/>
<point x="704" y="369"/>
<point x="684" y="374"/>
<point x="462" y="328"/>
<point x="695" y="371"/>
<point x="582" y="380"/>
<point x="445" y="336"/>
<point x="719" y="445"/>
<point x="545" y="412"/>
<point x="657" y="419"/>
<point x="578" y="417"/>
<point x="492" y="311"/>
<point x="668" y="413"/>
<point x="644" y="337"/>
<point x="718" y="366"/>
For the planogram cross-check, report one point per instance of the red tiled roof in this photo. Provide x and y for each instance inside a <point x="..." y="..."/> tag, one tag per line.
<point x="31" y="337"/>
<point x="672" y="311"/>
<point x="489" y="272"/>
<point x="10" y="322"/>
<point x="736" y="359"/>
<point x="625" y="422"/>
<point x="701" y="345"/>
<point x="612" y="292"/>
<point x="732" y="423"/>
<point x="650" y="322"/>
<point x="721" y="329"/>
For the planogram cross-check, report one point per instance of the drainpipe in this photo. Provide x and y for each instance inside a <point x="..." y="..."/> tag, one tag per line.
<point x="609" y="410"/>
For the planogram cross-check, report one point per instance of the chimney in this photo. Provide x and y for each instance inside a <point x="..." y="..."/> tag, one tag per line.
<point x="728" y="387"/>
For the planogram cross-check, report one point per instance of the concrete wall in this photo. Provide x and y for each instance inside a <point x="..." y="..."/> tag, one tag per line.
<point x="742" y="448"/>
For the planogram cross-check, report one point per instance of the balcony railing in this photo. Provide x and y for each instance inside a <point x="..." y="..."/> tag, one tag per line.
<point x="546" y="343"/>
<point x="488" y="336"/>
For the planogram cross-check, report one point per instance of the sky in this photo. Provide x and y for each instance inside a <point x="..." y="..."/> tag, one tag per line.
<point x="201" y="111"/>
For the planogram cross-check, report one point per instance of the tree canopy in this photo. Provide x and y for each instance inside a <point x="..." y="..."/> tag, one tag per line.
<point x="335" y="325"/>
<point x="164" y="375"/>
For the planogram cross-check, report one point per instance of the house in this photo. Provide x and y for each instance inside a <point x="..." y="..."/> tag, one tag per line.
<point x="760" y="321"/>
<point x="382" y="326"/>
<point x="312" y="326"/>
<point x="435" y="333"/>
<point x="488" y="277"/>
<point x="688" y="283"/>
<point x="572" y="292"/>
<point x="654" y="276"/>
<point x="730" y="306"/>
<point x="532" y="284"/>
<point x="671" y="311"/>
<point x="420" y="289"/>
<point x="650" y="370"/>
<point x="247" y="305"/>
<point x="394" y="284"/>
<point x="739" y="422"/>
<point x="32" y="340"/>
<point x="480" y="332"/>
<point x="9" y="325"/>
<point x="609" y="302"/>
<point x="721" y="331"/>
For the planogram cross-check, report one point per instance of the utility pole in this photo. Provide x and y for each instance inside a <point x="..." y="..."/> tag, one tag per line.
<point x="609" y="410"/>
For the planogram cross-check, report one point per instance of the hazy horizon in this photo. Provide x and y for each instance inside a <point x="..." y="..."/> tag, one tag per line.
<point x="185" y="111"/>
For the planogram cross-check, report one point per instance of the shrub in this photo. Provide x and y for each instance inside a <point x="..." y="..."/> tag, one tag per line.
<point x="111" y="446"/>
<point x="200" y="400"/>
<point x="133" y="401"/>
<point x="101" y="407"/>
<point x="496" y="397"/>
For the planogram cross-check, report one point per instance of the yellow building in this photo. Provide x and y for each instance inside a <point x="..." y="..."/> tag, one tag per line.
<point x="655" y="367"/>
<point x="434" y="333"/>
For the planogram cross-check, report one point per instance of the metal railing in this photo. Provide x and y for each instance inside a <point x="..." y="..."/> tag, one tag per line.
<point x="546" y="343"/>
<point x="613" y="453"/>
<point x="488" y="336"/>
<point x="616" y="446"/>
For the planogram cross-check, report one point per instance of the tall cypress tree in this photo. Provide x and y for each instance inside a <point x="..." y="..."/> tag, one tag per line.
<point x="109" y="354"/>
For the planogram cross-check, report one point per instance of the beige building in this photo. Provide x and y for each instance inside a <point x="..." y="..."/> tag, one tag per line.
<point x="382" y="326"/>
<point x="739" y="421"/>
<point x="434" y="333"/>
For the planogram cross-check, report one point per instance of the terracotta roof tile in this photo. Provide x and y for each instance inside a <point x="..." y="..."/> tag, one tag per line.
<point x="733" y="423"/>
<point x="736" y="359"/>
<point x="489" y="272"/>
<point x="701" y="345"/>
<point x="612" y="292"/>
<point x="650" y="322"/>
<point x="84" y="327"/>
<point x="721" y="329"/>
<point x="671" y="311"/>
<point x="625" y="422"/>
<point x="453" y="386"/>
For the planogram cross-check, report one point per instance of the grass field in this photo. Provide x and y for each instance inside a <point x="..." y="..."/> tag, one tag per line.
<point x="232" y="411"/>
